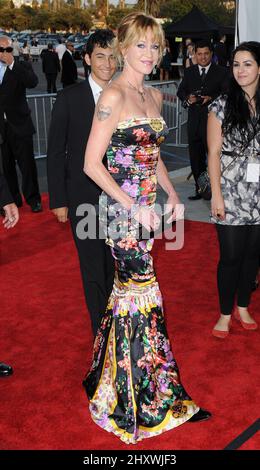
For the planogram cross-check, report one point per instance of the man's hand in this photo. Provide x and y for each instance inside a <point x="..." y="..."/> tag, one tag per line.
<point x="61" y="213"/>
<point x="206" y="99"/>
<point x="11" y="215"/>
<point x="191" y="99"/>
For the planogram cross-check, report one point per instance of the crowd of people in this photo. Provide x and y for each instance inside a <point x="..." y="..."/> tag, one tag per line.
<point x="107" y="156"/>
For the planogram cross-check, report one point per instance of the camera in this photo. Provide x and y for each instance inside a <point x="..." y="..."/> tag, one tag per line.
<point x="198" y="94"/>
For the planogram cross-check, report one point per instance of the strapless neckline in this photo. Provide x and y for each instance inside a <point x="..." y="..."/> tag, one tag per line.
<point x="137" y="120"/>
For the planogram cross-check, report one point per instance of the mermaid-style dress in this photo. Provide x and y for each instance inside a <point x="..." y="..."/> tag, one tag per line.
<point x="133" y="385"/>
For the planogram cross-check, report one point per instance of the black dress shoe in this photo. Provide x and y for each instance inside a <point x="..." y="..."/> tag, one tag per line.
<point x="36" y="207"/>
<point x="196" y="197"/>
<point x="201" y="415"/>
<point x="5" y="370"/>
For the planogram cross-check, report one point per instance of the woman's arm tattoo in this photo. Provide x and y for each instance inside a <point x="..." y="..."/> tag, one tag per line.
<point x="103" y="112"/>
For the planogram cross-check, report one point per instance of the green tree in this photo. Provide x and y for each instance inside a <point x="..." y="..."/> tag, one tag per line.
<point x="42" y="17"/>
<point x="115" y="16"/>
<point x="46" y="4"/>
<point x="7" y="18"/>
<point x="4" y="4"/>
<point x="101" y="8"/>
<point x="41" y="20"/>
<point x="215" y="9"/>
<point x="59" y="21"/>
<point x="152" y="6"/>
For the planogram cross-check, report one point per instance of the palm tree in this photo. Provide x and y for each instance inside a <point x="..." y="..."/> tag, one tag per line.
<point x="151" y="7"/>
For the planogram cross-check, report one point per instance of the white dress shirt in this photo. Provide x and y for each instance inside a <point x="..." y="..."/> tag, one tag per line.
<point x="60" y="49"/>
<point x="96" y="89"/>
<point x="206" y="68"/>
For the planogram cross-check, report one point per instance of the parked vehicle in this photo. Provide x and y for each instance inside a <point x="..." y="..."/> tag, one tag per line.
<point x="79" y="51"/>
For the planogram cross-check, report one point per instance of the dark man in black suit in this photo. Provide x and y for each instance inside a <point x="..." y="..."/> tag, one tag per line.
<point x="201" y="84"/>
<point x="51" y="67"/>
<point x="16" y="126"/>
<point x="11" y="217"/>
<point x="69" y="187"/>
<point x="221" y="51"/>
<point x="69" y="73"/>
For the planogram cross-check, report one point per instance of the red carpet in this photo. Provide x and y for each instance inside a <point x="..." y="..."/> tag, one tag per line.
<point x="46" y="336"/>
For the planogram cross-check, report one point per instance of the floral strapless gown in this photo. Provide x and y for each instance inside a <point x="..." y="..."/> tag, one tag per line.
<point x="133" y="385"/>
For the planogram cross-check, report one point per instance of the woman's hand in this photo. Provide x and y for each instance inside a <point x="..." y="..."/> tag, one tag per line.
<point x="218" y="207"/>
<point x="174" y="208"/>
<point x="146" y="217"/>
<point x="11" y="215"/>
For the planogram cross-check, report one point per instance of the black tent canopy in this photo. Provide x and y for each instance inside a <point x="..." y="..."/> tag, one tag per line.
<point x="195" y="24"/>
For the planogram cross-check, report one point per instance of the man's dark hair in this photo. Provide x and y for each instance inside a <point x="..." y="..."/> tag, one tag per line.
<point x="203" y="43"/>
<point x="50" y="46"/>
<point x="101" y="38"/>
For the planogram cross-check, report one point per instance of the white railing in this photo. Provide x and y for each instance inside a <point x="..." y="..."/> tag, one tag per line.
<point x="174" y="114"/>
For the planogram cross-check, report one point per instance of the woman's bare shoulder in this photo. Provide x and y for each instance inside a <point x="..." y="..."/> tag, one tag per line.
<point x="110" y="102"/>
<point x="112" y="92"/>
<point x="156" y="94"/>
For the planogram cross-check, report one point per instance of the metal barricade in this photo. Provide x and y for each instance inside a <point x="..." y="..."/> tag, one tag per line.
<point x="174" y="114"/>
<point x="41" y="106"/>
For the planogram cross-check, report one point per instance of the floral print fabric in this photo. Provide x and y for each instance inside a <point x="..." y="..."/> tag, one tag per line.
<point x="133" y="385"/>
<point x="241" y="198"/>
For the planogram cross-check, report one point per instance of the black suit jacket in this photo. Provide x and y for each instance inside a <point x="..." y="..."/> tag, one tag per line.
<point x="13" y="98"/>
<point x="70" y="127"/>
<point x="69" y="72"/>
<point x="5" y="196"/>
<point x="215" y="83"/>
<point x="50" y="62"/>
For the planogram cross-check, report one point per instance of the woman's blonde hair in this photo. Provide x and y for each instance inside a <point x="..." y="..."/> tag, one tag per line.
<point x="134" y="26"/>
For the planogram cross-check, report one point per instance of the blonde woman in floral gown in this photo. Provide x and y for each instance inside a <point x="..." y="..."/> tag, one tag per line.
<point x="133" y="385"/>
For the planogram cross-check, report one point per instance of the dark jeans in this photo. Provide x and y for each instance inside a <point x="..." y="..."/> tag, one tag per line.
<point x="238" y="264"/>
<point x="197" y="149"/>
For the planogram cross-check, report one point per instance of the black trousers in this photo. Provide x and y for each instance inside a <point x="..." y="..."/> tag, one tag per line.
<point x="238" y="264"/>
<point x="51" y="82"/>
<point x="97" y="272"/>
<point x="20" y="149"/>
<point x="197" y="137"/>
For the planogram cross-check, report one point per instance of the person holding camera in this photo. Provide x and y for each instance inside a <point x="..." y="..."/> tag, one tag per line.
<point x="201" y="84"/>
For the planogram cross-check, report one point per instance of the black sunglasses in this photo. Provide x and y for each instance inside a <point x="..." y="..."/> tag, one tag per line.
<point x="6" y="49"/>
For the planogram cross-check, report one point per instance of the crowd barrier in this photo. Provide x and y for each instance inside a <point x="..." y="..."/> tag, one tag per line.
<point x="174" y="114"/>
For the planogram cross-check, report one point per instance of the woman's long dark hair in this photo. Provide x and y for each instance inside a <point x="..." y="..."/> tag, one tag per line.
<point x="237" y="111"/>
